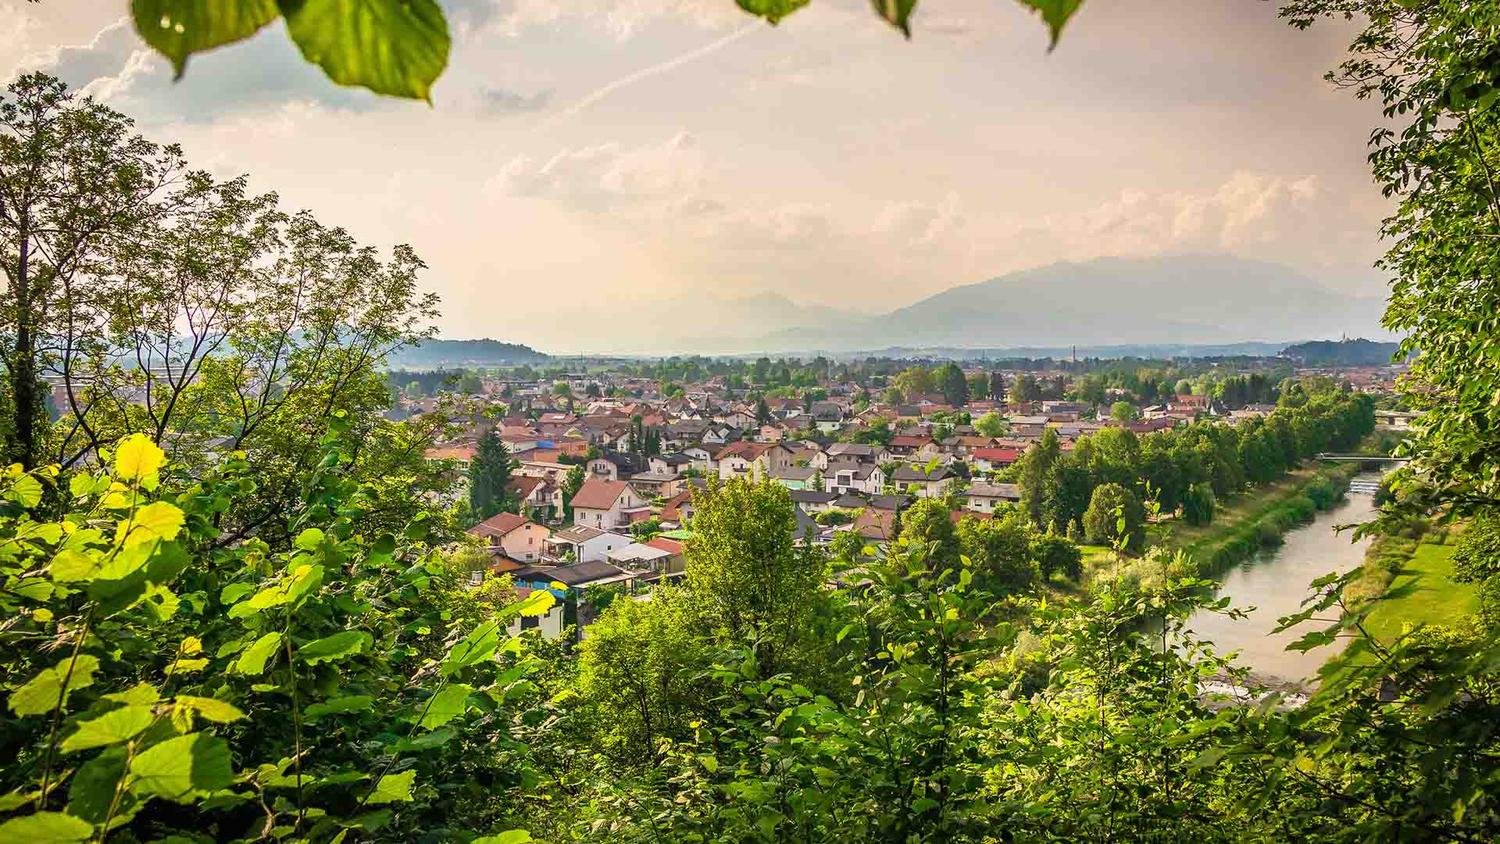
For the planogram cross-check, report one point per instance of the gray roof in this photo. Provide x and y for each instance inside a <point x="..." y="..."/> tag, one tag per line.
<point x="1009" y="492"/>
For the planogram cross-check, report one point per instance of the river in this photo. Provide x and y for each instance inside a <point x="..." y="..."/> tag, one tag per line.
<point x="1275" y="583"/>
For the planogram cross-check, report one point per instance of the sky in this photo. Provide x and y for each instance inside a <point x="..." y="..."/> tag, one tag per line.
<point x="589" y="170"/>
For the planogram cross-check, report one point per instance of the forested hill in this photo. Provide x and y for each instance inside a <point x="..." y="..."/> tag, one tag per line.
<point x="483" y="352"/>
<point x="1360" y="352"/>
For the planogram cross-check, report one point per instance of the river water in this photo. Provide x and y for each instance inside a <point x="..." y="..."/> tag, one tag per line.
<point x="1275" y="583"/>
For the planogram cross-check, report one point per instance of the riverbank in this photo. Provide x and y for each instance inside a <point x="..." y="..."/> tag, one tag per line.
<point x="1257" y="520"/>
<point x="1412" y="582"/>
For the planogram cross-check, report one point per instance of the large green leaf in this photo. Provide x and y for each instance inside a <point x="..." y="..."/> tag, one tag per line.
<point x="771" y="10"/>
<point x="1055" y="13"/>
<point x="113" y="727"/>
<point x="333" y="647"/>
<point x="41" y="693"/>
<point x="253" y="660"/>
<point x="46" y="828"/>
<point x="340" y="705"/>
<point x="93" y="787"/>
<point x="393" y="788"/>
<point x="446" y="705"/>
<point x="396" y="47"/>
<point x="181" y="767"/>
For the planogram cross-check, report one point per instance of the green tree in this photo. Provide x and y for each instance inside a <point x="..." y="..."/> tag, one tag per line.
<point x="489" y="474"/>
<point x="638" y="670"/>
<point x="757" y="584"/>
<point x="999" y="551"/>
<point x="1035" y="467"/>
<point x="1056" y="555"/>
<point x="1122" y="412"/>
<point x="1024" y="389"/>
<point x="991" y="424"/>
<point x="953" y="384"/>
<point x="572" y="482"/>
<point x="927" y="523"/>
<point x="1114" y="515"/>
<point x="1198" y="505"/>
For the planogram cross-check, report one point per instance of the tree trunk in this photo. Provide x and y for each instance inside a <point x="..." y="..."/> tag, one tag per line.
<point x="24" y="395"/>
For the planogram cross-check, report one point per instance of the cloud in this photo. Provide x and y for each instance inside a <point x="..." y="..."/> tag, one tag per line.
<point x="1248" y="209"/>
<point x="919" y="223"/>
<point x="619" y="19"/>
<point x="647" y="179"/>
<point x="506" y="101"/>
<point x="261" y="73"/>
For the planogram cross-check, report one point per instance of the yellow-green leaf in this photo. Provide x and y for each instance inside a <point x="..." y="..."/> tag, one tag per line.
<point x="181" y="767"/>
<point x="395" y="47"/>
<point x="41" y="693"/>
<point x="113" y="727"/>
<point x="335" y="646"/>
<point x="157" y="520"/>
<point x="26" y="491"/>
<point x="772" y="10"/>
<point x="393" y="788"/>
<point x="253" y="660"/>
<point x="1055" y="13"/>
<point x="137" y="457"/>
<point x="213" y="709"/>
<point x="446" y="705"/>
<point x="46" y="828"/>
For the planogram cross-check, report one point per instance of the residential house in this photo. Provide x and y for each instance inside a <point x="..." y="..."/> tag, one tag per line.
<point x="934" y="484"/>
<point x="993" y="458"/>
<point x="513" y="536"/>
<point x="793" y="477"/>
<point x="856" y="451"/>
<point x="534" y="493"/>
<point x="668" y="464"/>
<point x="653" y="485"/>
<point x="606" y="505"/>
<point x="918" y="447"/>
<point x="703" y="458"/>
<point x="814" y="501"/>
<point x="582" y="544"/>
<point x="985" y="497"/>
<point x="1029" y="427"/>
<point x="849" y="476"/>
<point x="751" y="459"/>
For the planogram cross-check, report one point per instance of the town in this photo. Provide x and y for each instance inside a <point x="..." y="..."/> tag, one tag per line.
<point x="599" y="467"/>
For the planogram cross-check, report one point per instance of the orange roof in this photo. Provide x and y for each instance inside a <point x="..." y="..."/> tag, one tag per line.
<point x="452" y="452"/>
<point x="599" y="494"/>
<point x="747" y="450"/>
<point x="661" y="543"/>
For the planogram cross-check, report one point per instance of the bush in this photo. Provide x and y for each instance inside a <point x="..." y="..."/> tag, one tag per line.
<point x="1198" y="505"/>
<point x="1110" y="505"/>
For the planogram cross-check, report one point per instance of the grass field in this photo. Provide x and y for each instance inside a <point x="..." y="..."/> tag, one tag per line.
<point x="1231" y="512"/>
<point x="1434" y="597"/>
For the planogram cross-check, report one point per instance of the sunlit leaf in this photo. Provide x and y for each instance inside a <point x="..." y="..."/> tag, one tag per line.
<point x="26" y="491"/>
<point x="137" y="457"/>
<point x="333" y="647"/>
<point x="113" y="727"/>
<point x="181" y="767"/>
<point x="46" y="828"/>
<point x="896" y="12"/>
<point x="340" y="705"/>
<point x="253" y="660"/>
<point x="395" y="47"/>
<point x="40" y="694"/>
<point x="213" y="709"/>
<point x="393" y="788"/>
<point x="446" y="705"/>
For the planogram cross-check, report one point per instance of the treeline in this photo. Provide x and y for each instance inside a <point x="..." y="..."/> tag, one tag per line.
<point x="1058" y="486"/>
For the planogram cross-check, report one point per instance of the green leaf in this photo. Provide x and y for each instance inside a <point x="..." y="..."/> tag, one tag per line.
<point x="446" y="705"/>
<point x="333" y="647"/>
<point x="179" y="28"/>
<point x="16" y="799"/>
<point x="253" y="660"/>
<point x="71" y="566"/>
<point x="81" y="485"/>
<point x="113" y="727"/>
<point x="395" y="47"/>
<point x="46" y="828"/>
<point x="213" y="709"/>
<point x="897" y="13"/>
<point x="141" y="694"/>
<point x="393" y="788"/>
<point x="513" y="836"/>
<point x="771" y="10"/>
<point x="340" y="705"/>
<point x="26" y="491"/>
<point x="479" y="645"/>
<point x="183" y="766"/>
<point x="93" y="787"/>
<point x="40" y="694"/>
<point x="1055" y="13"/>
<point x="157" y="520"/>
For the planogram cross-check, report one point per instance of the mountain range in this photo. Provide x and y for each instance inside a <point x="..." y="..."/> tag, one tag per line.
<point x="1185" y="299"/>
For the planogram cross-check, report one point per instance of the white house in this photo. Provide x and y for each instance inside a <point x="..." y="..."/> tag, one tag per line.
<point x="606" y="505"/>
<point x="583" y="544"/>
<point x="847" y="476"/>
<point x="755" y="460"/>
<point x="985" y="497"/>
<point x="934" y="484"/>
